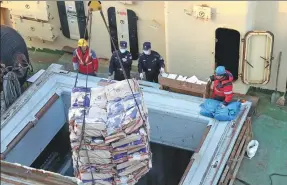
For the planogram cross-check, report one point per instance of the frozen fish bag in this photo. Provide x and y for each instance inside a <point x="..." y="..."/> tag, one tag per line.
<point x="109" y="134"/>
<point x="98" y="97"/>
<point x="80" y="97"/>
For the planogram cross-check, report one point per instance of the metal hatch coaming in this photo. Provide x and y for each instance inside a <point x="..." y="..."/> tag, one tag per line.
<point x="55" y="81"/>
<point x="163" y="112"/>
<point x="257" y="57"/>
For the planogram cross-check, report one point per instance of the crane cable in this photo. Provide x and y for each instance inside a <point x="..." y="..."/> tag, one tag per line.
<point x="121" y="64"/>
<point x="126" y="78"/>
<point x="84" y="116"/>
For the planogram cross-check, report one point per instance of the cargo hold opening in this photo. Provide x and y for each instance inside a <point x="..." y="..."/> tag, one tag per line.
<point x="169" y="162"/>
<point x="227" y="50"/>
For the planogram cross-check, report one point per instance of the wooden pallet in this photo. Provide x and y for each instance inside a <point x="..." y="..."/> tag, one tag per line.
<point x="200" y="90"/>
<point x="232" y="166"/>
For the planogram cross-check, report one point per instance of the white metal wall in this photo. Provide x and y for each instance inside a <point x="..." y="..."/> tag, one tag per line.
<point x="191" y="42"/>
<point x="188" y="44"/>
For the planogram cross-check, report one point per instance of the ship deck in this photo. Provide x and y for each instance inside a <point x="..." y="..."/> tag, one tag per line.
<point x="269" y="128"/>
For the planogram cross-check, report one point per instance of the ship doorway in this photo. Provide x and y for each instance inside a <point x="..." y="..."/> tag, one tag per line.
<point x="227" y="43"/>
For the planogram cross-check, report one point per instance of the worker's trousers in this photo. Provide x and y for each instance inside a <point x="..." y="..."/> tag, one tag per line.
<point x="152" y="77"/>
<point x="219" y="98"/>
<point x="90" y="74"/>
<point x="119" y="75"/>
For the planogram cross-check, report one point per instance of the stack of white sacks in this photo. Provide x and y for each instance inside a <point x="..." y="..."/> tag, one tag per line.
<point x="116" y="136"/>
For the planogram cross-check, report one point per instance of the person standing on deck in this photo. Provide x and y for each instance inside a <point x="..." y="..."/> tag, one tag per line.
<point x="85" y="59"/>
<point x="126" y="58"/>
<point x="223" y="87"/>
<point x="150" y="63"/>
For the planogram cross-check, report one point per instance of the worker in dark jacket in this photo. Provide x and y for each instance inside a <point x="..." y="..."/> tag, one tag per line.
<point x="150" y="63"/>
<point x="223" y="87"/>
<point x="126" y="58"/>
<point x="85" y="59"/>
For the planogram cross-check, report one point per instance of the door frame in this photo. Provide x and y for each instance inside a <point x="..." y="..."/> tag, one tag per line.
<point x="245" y="47"/>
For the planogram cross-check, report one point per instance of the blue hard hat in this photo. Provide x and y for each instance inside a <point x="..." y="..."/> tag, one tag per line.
<point x="123" y="44"/>
<point x="220" y="70"/>
<point x="146" y="46"/>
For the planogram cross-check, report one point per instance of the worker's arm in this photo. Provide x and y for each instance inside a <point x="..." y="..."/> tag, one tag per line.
<point x="129" y="60"/>
<point x="228" y="92"/>
<point x="140" y="64"/>
<point x="112" y="65"/>
<point x="212" y="78"/>
<point x="160" y="61"/>
<point x="75" y="60"/>
<point x="94" y="61"/>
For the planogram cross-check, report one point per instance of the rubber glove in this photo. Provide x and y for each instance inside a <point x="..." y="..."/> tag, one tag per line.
<point x="223" y="104"/>
<point x="124" y="59"/>
<point x="161" y="70"/>
<point x="110" y="76"/>
<point x="76" y="66"/>
<point x="141" y="76"/>
<point x="211" y="78"/>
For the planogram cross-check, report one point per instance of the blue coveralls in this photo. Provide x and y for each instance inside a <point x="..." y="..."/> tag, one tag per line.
<point x="150" y="64"/>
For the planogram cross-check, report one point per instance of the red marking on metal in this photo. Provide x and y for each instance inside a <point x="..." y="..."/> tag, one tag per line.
<point x="122" y="13"/>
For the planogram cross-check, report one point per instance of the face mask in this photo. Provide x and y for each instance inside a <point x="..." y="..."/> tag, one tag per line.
<point x="123" y="50"/>
<point x="147" y="52"/>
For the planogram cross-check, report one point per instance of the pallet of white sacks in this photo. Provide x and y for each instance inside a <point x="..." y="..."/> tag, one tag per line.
<point x="113" y="147"/>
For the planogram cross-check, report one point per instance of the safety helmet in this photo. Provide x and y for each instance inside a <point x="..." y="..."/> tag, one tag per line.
<point x="220" y="71"/>
<point x="82" y="42"/>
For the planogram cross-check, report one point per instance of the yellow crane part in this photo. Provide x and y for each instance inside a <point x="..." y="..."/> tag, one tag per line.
<point x="95" y="5"/>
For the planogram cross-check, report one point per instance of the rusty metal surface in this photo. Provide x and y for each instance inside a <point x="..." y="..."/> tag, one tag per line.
<point x="29" y="126"/>
<point x="12" y="173"/>
<point x="46" y="107"/>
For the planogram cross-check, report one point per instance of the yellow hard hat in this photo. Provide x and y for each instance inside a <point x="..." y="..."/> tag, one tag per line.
<point x="82" y="42"/>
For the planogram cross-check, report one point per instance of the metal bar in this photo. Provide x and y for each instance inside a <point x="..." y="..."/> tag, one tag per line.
<point x="196" y="151"/>
<point x="34" y="176"/>
<point x="238" y="164"/>
<point x="236" y="157"/>
<point x="226" y="170"/>
<point x="46" y="107"/>
<point x="18" y="138"/>
<point x="29" y="126"/>
<point x="232" y="135"/>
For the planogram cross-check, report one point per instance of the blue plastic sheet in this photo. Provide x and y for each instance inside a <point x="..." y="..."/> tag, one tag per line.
<point x="209" y="107"/>
<point x="212" y="109"/>
<point x="228" y="113"/>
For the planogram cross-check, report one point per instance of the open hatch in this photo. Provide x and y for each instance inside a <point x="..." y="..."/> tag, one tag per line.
<point x="34" y="133"/>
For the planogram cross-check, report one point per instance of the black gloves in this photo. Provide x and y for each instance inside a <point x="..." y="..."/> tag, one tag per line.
<point x="211" y="78"/>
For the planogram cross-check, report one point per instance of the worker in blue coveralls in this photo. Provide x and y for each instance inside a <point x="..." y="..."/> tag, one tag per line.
<point x="126" y="58"/>
<point x="150" y="63"/>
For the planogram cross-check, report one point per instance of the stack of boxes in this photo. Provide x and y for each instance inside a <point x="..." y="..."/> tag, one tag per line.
<point x="115" y="146"/>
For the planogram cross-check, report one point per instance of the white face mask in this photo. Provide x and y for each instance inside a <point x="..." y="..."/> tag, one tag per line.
<point x="123" y="50"/>
<point x="147" y="52"/>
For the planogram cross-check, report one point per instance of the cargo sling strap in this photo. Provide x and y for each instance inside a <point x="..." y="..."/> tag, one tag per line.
<point x="84" y="117"/>
<point x="96" y="6"/>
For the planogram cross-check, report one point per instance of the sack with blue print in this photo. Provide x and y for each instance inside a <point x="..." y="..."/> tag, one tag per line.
<point x="208" y="107"/>
<point x="228" y="113"/>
